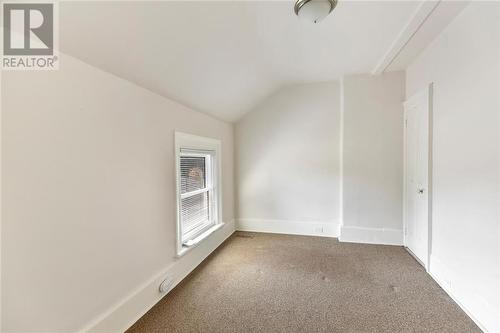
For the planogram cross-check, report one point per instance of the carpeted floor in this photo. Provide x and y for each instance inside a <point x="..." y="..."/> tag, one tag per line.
<point x="280" y="283"/>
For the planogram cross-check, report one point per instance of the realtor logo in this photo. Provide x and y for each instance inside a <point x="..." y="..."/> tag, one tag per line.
<point x="29" y="36"/>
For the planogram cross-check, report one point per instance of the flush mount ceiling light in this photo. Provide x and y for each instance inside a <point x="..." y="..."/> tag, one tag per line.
<point x="314" y="10"/>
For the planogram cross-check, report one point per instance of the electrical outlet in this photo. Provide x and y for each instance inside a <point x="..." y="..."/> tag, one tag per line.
<point x="318" y="230"/>
<point x="166" y="285"/>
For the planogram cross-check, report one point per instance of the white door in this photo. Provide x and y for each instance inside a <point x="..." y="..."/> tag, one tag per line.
<point x="417" y="157"/>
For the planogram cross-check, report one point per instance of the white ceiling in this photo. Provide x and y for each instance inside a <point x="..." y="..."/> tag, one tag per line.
<point x="223" y="58"/>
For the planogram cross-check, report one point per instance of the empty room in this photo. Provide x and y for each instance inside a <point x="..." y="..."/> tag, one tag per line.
<point x="294" y="166"/>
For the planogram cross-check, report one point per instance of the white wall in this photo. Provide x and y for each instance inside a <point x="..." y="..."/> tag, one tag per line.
<point x="88" y="196"/>
<point x="464" y="65"/>
<point x="287" y="161"/>
<point x="373" y="158"/>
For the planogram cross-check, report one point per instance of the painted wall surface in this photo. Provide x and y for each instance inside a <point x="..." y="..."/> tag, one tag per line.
<point x="373" y="154"/>
<point x="288" y="159"/>
<point x="88" y="192"/>
<point x="464" y="65"/>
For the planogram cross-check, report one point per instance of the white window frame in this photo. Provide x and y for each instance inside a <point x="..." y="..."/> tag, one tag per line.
<point x="192" y="145"/>
<point x="209" y="188"/>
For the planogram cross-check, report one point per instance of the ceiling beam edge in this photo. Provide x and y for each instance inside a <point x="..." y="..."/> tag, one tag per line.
<point x="419" y="16"/>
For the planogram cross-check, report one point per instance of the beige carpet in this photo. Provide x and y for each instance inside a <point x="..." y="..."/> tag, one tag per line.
<point x="279" y="283"/>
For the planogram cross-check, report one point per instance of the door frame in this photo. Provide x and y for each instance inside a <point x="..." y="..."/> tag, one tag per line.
<point x="428" y="94"/>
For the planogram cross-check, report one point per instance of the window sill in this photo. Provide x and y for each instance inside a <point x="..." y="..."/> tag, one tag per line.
<point x="196" y="241"/>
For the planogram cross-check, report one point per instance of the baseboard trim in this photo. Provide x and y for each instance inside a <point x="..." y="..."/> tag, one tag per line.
<point x="305" y="228"/>
<point x="474" y="305"/>
<point x="125" y="313"/>
<point x="381" y="236"/>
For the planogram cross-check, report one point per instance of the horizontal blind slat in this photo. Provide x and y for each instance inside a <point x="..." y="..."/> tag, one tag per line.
<point x="193" y="173"/>
<point x="195" y="211"/>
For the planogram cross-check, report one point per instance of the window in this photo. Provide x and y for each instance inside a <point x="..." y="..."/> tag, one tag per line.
<point x="198" y="190"/>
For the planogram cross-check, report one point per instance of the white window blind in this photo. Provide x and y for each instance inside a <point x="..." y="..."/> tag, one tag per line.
<point x="196" y="192"/>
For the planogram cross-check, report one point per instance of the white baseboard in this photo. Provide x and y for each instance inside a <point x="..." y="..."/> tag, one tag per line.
<point x="473" y="304"/>
<point x="306" y="228"/>
<point x="371" y="235"/>
<point x="126" y="312"/>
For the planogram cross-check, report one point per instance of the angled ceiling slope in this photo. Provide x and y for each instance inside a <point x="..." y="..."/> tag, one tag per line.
<point x="222" y="58"/>
<point x="428" y="20"/>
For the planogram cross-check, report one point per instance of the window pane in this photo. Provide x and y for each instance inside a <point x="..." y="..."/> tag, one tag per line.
<point x="192" y="173"/>
<point x="194" y="212"/>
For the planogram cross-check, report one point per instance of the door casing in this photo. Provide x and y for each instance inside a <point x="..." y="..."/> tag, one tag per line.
<point x="427" y="94"/>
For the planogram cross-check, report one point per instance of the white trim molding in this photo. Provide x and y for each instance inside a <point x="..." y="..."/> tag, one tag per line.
<point x="418" y="18"/>
<point x="383" y="236"/>
<point x="126" y="312"/>
<point x="305" y="228"/>
<point x="189" y="141"/>
<point x="341" y="152"/>
<point x="464" y="294"/>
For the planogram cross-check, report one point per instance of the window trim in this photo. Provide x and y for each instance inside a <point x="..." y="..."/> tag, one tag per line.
<point x="185" y="142"/>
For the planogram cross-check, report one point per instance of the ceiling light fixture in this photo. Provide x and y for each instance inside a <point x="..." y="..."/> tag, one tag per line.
<point x="314" y="10"/>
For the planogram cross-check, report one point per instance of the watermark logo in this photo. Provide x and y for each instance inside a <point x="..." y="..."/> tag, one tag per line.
<point x="30" y="36"/>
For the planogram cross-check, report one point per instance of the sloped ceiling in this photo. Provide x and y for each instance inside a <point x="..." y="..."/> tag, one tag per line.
<point x="222" y="58"/>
